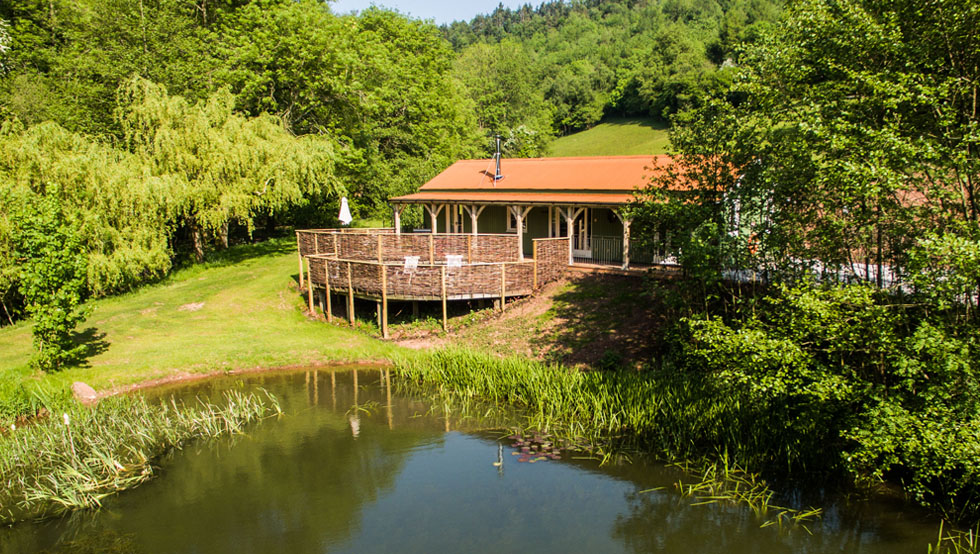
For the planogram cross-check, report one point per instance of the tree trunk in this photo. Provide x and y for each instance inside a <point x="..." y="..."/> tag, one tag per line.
<point x="223" y="236"/>
<point x="6" y="311"/>
<point x="196" y="238"/>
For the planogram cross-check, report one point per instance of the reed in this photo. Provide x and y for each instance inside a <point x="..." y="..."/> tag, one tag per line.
<point x="75" y="459"/>
<point x="954" y="541"/>
<point x="606" y="414"/>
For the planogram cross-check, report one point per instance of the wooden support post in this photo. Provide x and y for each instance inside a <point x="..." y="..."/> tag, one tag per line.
<point x="469" y="249"/>
<point x="444" y="322"/>
<point x="626" y="243"/>
<point x="309" y="281"/>
<point x="377" y="312"/>
<point x="327" y="310"/>
<point x="432" y="249"/>
<point x="449" y="229"/>
<point x="316" y="243"/>
<point x="475" y="217"/>
<point x="384" y="302"/>
<point x="300" y="255"/>
<point x="503" y="286"/>
<point x="396" y="210"/>
<point x="519" y="213"/>
<point x="350" y="296"/>
<point x="534" y="252"/>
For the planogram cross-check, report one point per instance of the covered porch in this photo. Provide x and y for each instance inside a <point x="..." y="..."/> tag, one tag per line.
<point x="599" y="235"/>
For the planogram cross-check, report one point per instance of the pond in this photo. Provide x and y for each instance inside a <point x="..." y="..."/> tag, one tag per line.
<point x="388" y="476"/>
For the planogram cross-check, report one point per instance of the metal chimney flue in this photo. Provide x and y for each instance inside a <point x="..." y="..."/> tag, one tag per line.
<point x="497" y="176"/>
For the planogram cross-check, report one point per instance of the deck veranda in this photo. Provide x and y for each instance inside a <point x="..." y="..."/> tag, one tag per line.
<point x="383" y="266"/>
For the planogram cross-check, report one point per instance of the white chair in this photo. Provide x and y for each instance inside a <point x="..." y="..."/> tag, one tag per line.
<point x="454" y="260"/>
<point x="411" y="263"/>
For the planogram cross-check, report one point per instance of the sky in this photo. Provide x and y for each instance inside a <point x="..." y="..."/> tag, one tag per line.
<point x="442" y="11"/>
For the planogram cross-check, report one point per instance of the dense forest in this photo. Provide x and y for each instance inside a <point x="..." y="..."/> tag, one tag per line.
<point x="574" y="62"/>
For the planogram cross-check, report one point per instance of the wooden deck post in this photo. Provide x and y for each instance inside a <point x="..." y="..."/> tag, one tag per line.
<point x="350" y="296"/>
<point x="327" y="310"/>
<point x="534" y="252"/>
<point x="396" y="211"/>
<point x="380" y="256"/>
<point x="469" y="249"/>
<point x="444" y="323"/>
<point x="309" y="281"/>
<point x="626" y="243"/>
<point x="316" y="243"/>
<point x="519" y="213"/>
<point x="432" y="249"/>
<point x="299" y="254"/>
<point x="503" y="286"/>
<point x="384" y="302"/>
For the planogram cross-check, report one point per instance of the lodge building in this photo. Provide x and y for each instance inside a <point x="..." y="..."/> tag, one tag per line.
<point x="489" y="232"/>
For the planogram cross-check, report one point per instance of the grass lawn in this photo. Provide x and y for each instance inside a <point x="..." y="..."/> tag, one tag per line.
<point x="614" y="137"/>
<point x="240" y="310"/>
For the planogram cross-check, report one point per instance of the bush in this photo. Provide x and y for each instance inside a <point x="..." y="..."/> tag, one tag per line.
<point x="846" y="378"/>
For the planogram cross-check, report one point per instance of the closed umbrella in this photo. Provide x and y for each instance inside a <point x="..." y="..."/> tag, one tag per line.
<point x="344" y="216"/>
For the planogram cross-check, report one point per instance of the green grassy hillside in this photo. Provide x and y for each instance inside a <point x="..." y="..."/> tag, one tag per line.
<point x="614" y="137"/>
<point x="241" y="310"/>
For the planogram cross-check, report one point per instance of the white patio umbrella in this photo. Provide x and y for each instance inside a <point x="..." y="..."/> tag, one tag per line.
<point x="344" y="216"/>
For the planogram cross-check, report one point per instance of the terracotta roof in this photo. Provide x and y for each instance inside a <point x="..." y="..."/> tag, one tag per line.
<point x="609" y="198"/>
<point x="593" y="180"/>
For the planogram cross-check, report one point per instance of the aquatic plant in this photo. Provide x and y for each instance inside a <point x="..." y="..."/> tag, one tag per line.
<point x="79" y="457"/>
<point x="605" y="414"/>
<point x="954" y="541"/>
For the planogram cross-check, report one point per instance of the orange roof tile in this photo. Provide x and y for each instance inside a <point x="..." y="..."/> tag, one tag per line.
<point x="610" y="198"/>
<point x="595" y="180"/>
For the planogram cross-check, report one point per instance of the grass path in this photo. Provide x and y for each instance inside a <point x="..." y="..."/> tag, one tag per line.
<point x="614" y="137"/>
<point x="240" y="311"/>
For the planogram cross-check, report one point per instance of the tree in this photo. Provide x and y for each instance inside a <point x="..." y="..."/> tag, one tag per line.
<point x="854" y="133"/>
<point x="115" y="208"/>
<point x="507" y="98"/>
<point x="52" y="278"/>
<point x="218" y="167"/>
<point x="4" y="45"/>
<point x="377" y="83"/>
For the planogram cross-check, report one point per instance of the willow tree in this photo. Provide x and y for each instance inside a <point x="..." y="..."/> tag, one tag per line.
<point x="220" y="167"/>
<point x="114" y="208"/>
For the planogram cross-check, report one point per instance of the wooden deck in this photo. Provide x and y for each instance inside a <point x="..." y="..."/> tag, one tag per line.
<point x="381" y="265"/>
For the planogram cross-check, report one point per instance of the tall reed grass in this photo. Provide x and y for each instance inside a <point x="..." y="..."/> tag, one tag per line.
<point x="74" y="459"/>
<point x="607" y="413"/>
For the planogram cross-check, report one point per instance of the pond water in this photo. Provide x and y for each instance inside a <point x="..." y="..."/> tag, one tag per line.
<point x="389" y="477"/>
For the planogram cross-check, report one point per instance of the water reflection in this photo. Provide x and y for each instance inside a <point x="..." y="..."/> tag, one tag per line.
<point x="353" y="468"/>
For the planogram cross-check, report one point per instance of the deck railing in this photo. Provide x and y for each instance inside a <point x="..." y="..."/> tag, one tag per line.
<point x="608" y="250"/>
<point x="382" y="265"/>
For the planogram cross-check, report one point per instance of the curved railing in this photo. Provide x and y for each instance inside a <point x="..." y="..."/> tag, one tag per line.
<point x="376" y="263"/>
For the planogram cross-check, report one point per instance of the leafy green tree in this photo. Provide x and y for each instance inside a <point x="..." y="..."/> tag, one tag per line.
<point x="378" y="83"/>
<point x="853" y="133"/>
<point x="4" y="45"/>
<point x="507" y="98"/>
<point x="52" y="278"/>
<point x="116" y="209"/>
<point x="219" y="168"/>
